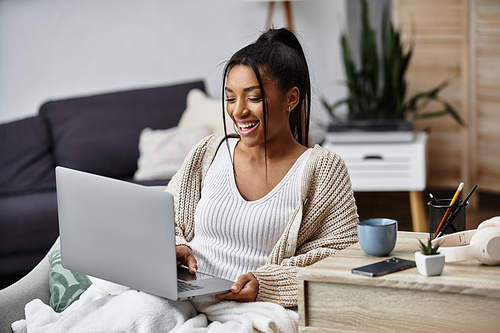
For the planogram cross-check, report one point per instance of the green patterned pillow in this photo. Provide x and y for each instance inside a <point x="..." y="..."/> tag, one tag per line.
<point x="65" y="286"/>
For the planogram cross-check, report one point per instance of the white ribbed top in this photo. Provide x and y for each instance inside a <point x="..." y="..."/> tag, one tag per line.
<point x="233" y="236"/>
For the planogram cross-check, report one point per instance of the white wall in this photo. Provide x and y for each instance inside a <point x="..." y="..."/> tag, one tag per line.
<point x="52" y="49"/>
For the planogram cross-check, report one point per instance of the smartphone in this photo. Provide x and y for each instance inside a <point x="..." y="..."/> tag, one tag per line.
<point x="384" y="267"/>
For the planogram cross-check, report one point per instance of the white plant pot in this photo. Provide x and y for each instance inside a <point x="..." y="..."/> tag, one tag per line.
<point x="429" y="265"/>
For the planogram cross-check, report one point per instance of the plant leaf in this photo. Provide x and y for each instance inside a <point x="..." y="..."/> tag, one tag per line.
<point x="449" y="109"/>
<point x="331" y="108"/>
<point x="430" y="114"/>
<point x="348" y="61"/>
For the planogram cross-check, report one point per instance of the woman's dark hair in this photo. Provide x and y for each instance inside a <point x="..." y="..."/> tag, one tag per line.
<point x="278" y="55"/>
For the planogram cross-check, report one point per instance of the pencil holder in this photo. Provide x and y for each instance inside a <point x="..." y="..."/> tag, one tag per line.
<point x="455" y="221"/>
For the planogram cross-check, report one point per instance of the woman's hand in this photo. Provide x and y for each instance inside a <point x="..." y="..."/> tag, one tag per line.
<point x="185" y="256"/>
<point x="245" y="289"/>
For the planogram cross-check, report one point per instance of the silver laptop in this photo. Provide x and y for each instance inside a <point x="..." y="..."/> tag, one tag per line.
<point x="124" y="233"/>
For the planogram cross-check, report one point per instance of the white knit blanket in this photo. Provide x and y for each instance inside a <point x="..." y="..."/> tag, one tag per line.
<point x="135" y="311"/>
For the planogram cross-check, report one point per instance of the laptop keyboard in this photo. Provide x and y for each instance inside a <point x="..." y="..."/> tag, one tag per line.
<point x="186" y="286"/>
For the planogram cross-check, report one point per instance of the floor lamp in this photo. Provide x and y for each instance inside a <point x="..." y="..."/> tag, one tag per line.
<point x="287" y="5"/>
<point x="288" y="14"/>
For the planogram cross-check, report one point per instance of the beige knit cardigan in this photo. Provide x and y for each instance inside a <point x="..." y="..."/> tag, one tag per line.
<point x="323" y="223"/>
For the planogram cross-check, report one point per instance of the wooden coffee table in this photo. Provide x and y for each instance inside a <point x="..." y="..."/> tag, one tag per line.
<point x="464" y="298"/>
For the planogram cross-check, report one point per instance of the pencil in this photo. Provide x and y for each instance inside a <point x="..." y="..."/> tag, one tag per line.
<point x="434" y="200"/>
<point x="457" y="193"/>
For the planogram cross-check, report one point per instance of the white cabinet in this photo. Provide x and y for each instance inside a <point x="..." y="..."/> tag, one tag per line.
<point x="384" y="166"/>
<point x="394" y="166"/>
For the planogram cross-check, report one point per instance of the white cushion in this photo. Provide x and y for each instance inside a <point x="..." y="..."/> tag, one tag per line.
<point x="202" y="110"/>
<point x="163" y="151"/>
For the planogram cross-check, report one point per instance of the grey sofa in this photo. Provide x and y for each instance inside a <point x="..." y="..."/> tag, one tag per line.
<point x="34" y="285"/>
<point x="97" y="134"/>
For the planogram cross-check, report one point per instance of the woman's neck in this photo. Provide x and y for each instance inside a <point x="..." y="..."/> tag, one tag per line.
<point x="277" y="149"/>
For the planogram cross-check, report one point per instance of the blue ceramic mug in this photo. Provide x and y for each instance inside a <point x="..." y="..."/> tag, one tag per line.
<point x="377" y="237"/>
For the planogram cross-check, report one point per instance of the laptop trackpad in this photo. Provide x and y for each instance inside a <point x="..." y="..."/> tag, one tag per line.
<point x="205" y="284"/>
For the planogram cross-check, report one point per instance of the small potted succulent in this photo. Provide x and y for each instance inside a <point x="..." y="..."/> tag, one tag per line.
<point x="429" y="261"/>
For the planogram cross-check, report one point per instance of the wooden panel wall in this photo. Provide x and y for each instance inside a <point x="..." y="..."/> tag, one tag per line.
<point x="439" y="31"/>
<point x="485" y="104"/>
<point x="460" y="39"/>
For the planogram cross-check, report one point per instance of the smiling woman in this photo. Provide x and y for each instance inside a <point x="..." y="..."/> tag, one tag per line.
<point x="269" y="203"/>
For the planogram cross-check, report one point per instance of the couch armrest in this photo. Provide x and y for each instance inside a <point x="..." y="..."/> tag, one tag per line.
<point x="34" y="285"/>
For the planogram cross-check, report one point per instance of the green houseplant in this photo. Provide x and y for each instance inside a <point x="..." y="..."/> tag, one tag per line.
<point x="428" y="260"/>
<point x="379" y="93"/>
<point x="429" y="249"/>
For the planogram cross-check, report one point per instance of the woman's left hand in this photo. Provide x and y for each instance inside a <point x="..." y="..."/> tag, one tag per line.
<point x="245" y="289"/>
